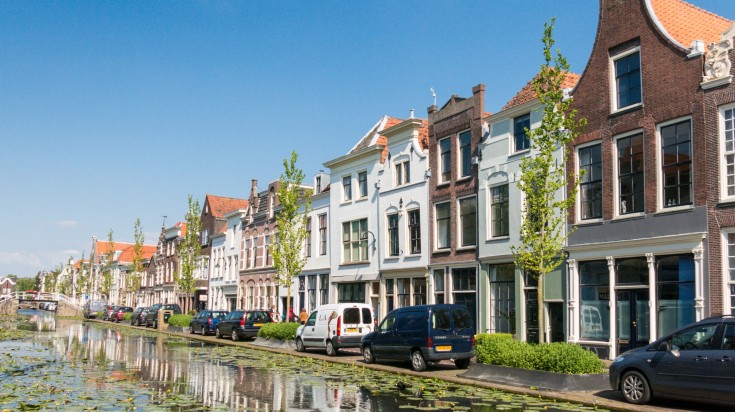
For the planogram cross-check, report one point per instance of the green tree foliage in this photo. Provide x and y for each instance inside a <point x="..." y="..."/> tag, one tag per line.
<point x="107" y="275"/>
<point x="190" y="251"/>
<point x="543" y="230"/>
<point x="136" y="266"/>
<point x="295" y="204"/>
<point x="23" y="284"/>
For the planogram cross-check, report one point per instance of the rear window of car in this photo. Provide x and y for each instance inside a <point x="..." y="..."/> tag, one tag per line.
<point x="219" y="315"/>
<point x="440" y="319"/>
<point x="235" y="315"/>
<point x="258" y="316"/>
<point x="351" y="315"/>
<point x="461" y="319"/>
<point x="367" y="315"/>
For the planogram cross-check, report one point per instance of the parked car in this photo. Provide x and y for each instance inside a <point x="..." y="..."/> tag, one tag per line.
<point x="135" y="318"/>
<point x="109" y="312"/>
<point x="119" y="315"/>
<point x="422" y="334"/>
<point x="241" y="324"/>
<point x="206" y="321"/>
<point x="692" y="363"/>
<point x="151" y="315"/>
<point x="336" y="326"/>
<point x="92" y="307"/>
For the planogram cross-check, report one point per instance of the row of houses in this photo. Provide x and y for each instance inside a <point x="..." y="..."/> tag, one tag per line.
<point x="426" y="210"/>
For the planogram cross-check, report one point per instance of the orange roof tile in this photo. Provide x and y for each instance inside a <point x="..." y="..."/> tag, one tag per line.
<point x="220" y="205"/>
<point x="424" y="134"/>
<point x="126" y="249"/>
<point x="526" y="94"/>
<point x="686" y="22"/>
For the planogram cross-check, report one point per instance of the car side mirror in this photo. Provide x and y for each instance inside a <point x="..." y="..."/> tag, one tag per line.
<point x="664" y="346"/>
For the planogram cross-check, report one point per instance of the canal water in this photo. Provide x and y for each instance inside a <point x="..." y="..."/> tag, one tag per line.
<point x="63" y="364"/>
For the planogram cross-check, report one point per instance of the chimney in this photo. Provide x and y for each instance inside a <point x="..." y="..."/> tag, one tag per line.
<point x="254" y="189"/>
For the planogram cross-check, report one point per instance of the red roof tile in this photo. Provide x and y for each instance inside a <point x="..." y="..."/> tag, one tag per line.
<point x="686" y="22"/>
<point x="526" y="94"/>
<point x="126" y="250"/>
<point x="220" y="205"/>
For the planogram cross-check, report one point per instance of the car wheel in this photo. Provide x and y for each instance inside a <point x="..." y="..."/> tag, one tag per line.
<point x="217" y="333"/>
<point x="203" y="331"/>
<point x="462" y="363"/>
<point x="635" y="388"/>
<point x="300" y="345"/>
<point x="155" y="324"/>
<point x="191" y="329"/>
<point x="331" y="350"/>
<point x="367" y="354"/>
<point x="417" y="361"/>
<point x="234" y="335"/>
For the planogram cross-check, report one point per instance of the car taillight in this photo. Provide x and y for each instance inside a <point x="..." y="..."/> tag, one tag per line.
<point x="472" y="340"/>
<point x="339" y="325"/>
<point x="209" y="321"/>
<point x="242" y="321"/>
<point x="429" y="342"/>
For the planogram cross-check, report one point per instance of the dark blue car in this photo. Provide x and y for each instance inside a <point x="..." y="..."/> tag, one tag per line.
<point x="206" y="321"/>
<point x="241" y="324"/>
<point x="421" y="334"/>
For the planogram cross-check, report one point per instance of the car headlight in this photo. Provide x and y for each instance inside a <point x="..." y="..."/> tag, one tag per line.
<point x="619" y="359"/>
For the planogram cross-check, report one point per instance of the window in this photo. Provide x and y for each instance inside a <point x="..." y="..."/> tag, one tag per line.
<point x="468" y="220"/>
<point x="419" y="291"/>
<point x="389" y="294"/>
<point x="403" y="173"/>
<point x="308" y="237"/>
<point x="323" y="234"/>
<point x="699" y="337"/>
<point x="594" y="284"/>
<point x="351" y="292"/>
<point x="205" y="237"/>
<point x="318" y="185"/>
<point x="439" y="286"/>
<point x="630" y="174"/>
<point x="499" y="211"/>
<point x="354" y="241"/>
<point x="347" y="188"/>
<point x="675" y="284"/>
<point x="676" y="162"/>
<point x="520" y="137"/>
<point x="247" y="251"/>
<point x="443" y="234"/>
<point x="323" y="289"/>
<point x="255" y="246"/>
<point x="464" y="287"/>
<point x="590" y="185"/>
<point x="362" y="182"/>
<point x="312" y="292"/>
<point x="465" y="154"/>
<point x="727" y="127"/>
<point x="628" y="80"/>
<point x="414" y="231"/>
<point x="503" y="316"/>
<point x="403" y="292"/>
<point x="445" y="159"/>
<point x="393" y="235"/>
<point x="730" y="275"/>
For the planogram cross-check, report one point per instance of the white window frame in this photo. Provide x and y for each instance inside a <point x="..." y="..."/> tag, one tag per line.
<point x="388" y="215"/>
<point x="659" y="165"/>
<point x="578" y="200"/>
<point x="400" y="169"/>
<point x="724" y="197"/>
<point x="613" y="83"/>
<point x="436" y="227"/>
<point x="460" y="164"/>
<point x="512" y="145"/>
<point x="616" y="176"/>
<point x="490" y="219"/>
<point x="727" y="306"/>
<point x="359" y="241"/>
<point x="409" y="240"/>
<point x="459" y="221"/>
<point x="360" y="195"/>
<point x="346" y="194"/>
<point x="440" y="178"/>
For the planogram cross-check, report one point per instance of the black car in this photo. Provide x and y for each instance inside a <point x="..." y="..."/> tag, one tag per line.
<point x="151" y="315"/>
<point x="693" y="363"/>
<point x="135" y="318"/>
<point x="240" y="324"/>
<point x="206" y="321"/>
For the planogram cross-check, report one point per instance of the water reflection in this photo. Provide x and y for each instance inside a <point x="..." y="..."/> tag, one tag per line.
<point x="143" y="369"/>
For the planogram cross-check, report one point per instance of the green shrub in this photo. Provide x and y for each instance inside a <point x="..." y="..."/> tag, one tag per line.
<point x="503" y="350"/>
<point x="128" y="316"/>
<point x="100" y="314"/>
<point x="192" y="313"/>
<point x="179" y="320"/>
<point x="282" y="331"/>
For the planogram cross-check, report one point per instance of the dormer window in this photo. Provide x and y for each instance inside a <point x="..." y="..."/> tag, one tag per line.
<point x="627" y="71"/>
<point x="403" y="173"/>
<point x="318" y="185"/>
<point x="520" y="137"/>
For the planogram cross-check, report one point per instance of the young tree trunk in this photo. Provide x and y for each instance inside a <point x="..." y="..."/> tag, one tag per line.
<point x="541" y="323"/>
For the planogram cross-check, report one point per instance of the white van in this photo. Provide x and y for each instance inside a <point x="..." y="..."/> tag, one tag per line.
<point x="334" y="326"/>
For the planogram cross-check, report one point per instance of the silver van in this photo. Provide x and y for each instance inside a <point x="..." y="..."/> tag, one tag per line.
<point x="335" y="326"/>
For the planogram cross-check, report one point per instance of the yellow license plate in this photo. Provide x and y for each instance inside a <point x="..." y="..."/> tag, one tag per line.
<point x="257" y="324"/>
<point x="351" y="330"/>
<point x="447" y="348"/>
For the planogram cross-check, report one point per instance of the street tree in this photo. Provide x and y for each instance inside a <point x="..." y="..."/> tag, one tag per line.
<point x="107" y="275"/>
<point x="190" y="251"/>
<point x="543" y="231"/>
<point x="295" y="203"/>
<point x="135" y="271"/>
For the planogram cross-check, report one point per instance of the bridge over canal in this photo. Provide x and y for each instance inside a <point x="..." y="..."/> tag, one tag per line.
<point x="10" y="303"/>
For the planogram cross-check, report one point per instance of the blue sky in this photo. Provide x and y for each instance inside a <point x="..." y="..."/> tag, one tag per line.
<point x="112" y="111"/>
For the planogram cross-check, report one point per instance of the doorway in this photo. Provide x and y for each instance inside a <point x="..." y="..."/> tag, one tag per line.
<point x="633" y="327"/>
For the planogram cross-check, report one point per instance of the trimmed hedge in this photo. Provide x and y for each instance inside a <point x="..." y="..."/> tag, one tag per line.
<point x="180" y="320"/>
<point x="282" y="331"/>
<point x="192" y="313"/>
<point x="128" y="316"/>
<point x="501" y="349"/>
<point x="100" y="314"/>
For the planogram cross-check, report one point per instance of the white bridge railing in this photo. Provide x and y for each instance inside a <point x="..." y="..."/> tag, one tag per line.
<point x="40" y="296"/>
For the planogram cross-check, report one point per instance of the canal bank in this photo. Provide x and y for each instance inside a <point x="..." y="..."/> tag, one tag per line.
<point x="604" y="399"/>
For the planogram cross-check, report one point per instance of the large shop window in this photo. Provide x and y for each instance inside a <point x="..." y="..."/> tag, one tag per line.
<point x="675" y="292"/>
<point x="419" y="291"/>
<point x="503" y="318"/>
<point x="403" y="289"/>
<point x="351" y="292"/>
<point x="464" y="288"/>
<point x="595" y="300"/>
<point x="632" y="271"/>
